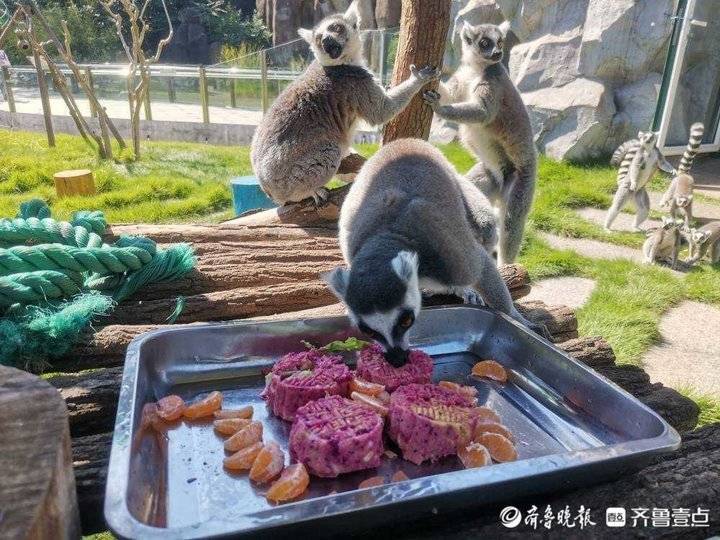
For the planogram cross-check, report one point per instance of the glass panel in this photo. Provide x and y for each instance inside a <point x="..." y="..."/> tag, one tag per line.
<point x="698" y="92"/>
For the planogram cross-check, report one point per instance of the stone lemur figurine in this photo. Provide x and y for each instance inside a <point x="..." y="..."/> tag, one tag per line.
<point x="301" y="141"/>
<point x="638" y="159"/>
<point x="678" y="199"/>
<point x="705" y="240"/>
<point x="663" y="243"/>
<point x="495" y="126"/>
<point x="408" y="224"/>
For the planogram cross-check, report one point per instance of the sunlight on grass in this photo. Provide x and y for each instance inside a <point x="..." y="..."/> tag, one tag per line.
<point x="176" y="182"/>
<point x="709" y="406"/>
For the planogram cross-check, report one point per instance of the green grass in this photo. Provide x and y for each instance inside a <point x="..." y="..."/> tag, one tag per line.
<point x="709" y="406"/>
<point x="173" y="181"/>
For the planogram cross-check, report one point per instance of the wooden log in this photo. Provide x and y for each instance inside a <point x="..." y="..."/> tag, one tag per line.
<point x="559" y="320"/>
<point x="91" y="398"/>
<point x="90" y="455"/>
<point x="73" y="183"/>
<point x="37" y="494"/>
<point x="423" y="33"/>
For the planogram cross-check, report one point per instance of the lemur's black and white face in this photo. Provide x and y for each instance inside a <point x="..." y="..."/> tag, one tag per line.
<point x="647" y="138"/>
<point x="482" y="44"/>
<point x="382" y="302"/>
<point x="699" y="237"/>
<point x="336" y="39"/>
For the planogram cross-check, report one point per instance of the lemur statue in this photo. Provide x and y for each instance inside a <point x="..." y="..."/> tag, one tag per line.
<point x="678" y="199"/>
<point x="301" y="141"/>
<point x="663" y="243"/>
<point x="638" y="159"/>
<point x="408" y="224"/>
<point x="495" y="126"/>
<point x="705" y="240"/>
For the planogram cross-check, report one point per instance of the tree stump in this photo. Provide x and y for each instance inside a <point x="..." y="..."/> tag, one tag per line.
<point x="77" y="182"/>
<point x="37" y="494"/>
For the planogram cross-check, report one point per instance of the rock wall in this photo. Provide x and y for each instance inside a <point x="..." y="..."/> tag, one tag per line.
<point x="589" y="70"/>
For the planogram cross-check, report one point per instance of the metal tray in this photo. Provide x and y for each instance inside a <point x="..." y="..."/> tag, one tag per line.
<point x="572" y="427"/>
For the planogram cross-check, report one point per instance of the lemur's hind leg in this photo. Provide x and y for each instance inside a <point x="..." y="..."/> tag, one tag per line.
<point x="307" y="176"/>
<point x="622" y="196"/>
<point x="490" y="185"/>
<point x="642" y="207"/>
<point x="515" y="205"/>
<point x="480" y="214"/>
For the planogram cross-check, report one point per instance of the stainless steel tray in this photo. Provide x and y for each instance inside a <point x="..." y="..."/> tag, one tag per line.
<point x="573" y="427"/>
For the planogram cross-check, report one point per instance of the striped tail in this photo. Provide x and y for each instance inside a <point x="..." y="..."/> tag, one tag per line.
<point x="622" y="150"/>
<point x="696" y="135"/>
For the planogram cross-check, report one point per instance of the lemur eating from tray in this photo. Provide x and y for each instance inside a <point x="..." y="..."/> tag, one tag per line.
<point x="409" y="223"/>
<point x="495" y="126"/>
<point x="299" y="144"/>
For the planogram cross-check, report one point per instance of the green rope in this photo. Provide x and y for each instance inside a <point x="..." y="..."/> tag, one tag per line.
<point x="45" y="263"/>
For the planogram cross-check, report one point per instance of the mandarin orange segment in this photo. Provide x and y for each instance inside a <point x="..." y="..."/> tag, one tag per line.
<point x="170" y="408"/>
<point x="493" y="427"/>
<point x="292" y="483"/>
<point x="374" y="403"/>
<point x="244" y="412"/>
<point x="500" y="448"/>
<point x="230" y="426"/>
<point x="242" y="460"/>
<point x="250" y="434"/>
<point x="373" y="481"/>
<point x="399" y="476"/>
<point x="150" y="418"/>
<point x="205" y="407"/>
<point x="365" y="387"/>
<point x="268" y="463"/>
<point x="490" y="369"/>
<point x="474" y="455"/>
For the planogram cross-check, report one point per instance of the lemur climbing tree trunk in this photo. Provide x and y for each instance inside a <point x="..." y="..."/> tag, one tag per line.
<point x="424" y="26"/>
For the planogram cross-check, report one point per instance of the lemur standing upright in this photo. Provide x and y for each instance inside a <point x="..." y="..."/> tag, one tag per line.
<point x="299" y="145"/>
<point x="638" y="159"/>
<point x="679" y="196"/>
<point x="495" y="126"/>
<point x="405" y="226"/>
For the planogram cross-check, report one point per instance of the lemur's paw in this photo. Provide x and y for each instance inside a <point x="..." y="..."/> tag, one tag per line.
<point x="426" y="73"/>
<point x="541" y="330"/>
<point x="321" y="196"/>
<point x="432" y="98"/>
<point x="471" y="296"/>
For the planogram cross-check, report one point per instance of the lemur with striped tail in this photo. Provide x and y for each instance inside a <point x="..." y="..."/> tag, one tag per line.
<point x="638" y="159"/>
<point x="679" y="196"/>
<point x="495" y="126"/>
<point x="663" y="243"/>
<point x="705" y="240"/>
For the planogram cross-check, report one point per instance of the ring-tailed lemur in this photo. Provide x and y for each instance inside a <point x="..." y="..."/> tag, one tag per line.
<point x="495" y="126"/>
<point x="639" y="159"/>
<point x="679" y="196"/>
<point x="405" y="226"/>
<point x="703" y="240"/>
<point x="300" y="142"/>
<point x="663" y="243"/>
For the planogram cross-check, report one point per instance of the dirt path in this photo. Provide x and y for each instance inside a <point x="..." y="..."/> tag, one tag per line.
<point x="567" y="291"/>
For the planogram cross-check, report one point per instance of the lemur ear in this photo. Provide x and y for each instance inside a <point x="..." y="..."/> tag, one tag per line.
<point x="352" y="14"/>
<point x="466" y="33"/>
<point x="405" y="265"/>
<point x="306" y="34"/>
<point x="504" y="28"/>
<point x="337" y="280"/>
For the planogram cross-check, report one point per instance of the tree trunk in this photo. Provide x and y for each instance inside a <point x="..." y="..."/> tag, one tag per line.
<point x="424" y="26"/>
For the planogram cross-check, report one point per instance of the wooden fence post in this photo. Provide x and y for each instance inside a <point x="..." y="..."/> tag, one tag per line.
<point x="146" y="100"/>
<point x="7" y="85"/>
<point x="91" y="85"/>
<point x="171" y="89"/>
<point x="204" y="96"/>
<point x="263" y="80"/>
<point x="233" y="100"/>
<point x="44" y="99"/>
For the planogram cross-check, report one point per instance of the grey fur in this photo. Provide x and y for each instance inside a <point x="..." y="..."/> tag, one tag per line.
<point x="663" y="243"/>
<point x="495" y="126"/>
<point x="679" y="197"/>
<point x="639" y="163"/>
<point x="409" y="202"/>
<point x="705" y="240"/>
<point x="300" y="142"/>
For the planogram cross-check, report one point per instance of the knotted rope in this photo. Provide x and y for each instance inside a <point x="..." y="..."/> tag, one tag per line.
<point x="44" y="263"/>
